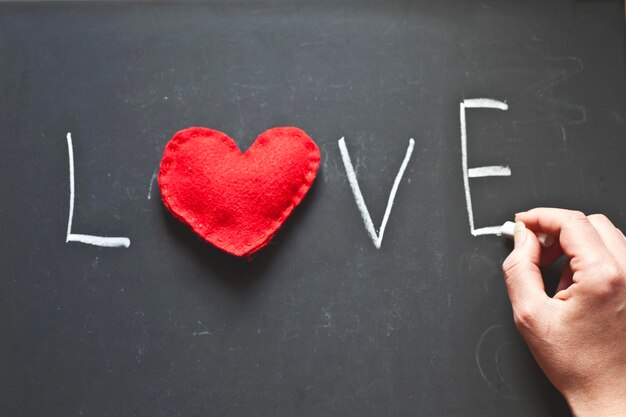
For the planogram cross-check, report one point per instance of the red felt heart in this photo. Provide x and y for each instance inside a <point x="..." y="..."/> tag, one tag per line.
<point x="236" y="201"/>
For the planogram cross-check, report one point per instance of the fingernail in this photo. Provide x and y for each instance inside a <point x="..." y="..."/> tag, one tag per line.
<point x="545" y="240"/>
<point x="519" y="234"/>
<point x="520" y="213"/>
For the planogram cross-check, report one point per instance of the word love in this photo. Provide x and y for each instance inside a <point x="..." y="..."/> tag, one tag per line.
<point x="278" y="170"/>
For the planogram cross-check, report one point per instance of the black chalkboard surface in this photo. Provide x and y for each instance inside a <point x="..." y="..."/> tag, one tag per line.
<point x="320" y="322"/>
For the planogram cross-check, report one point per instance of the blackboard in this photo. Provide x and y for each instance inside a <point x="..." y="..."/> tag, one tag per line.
<point x="320" y="322"/>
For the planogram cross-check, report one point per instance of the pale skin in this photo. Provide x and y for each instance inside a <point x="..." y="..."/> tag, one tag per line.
<point x="578" y="336"/>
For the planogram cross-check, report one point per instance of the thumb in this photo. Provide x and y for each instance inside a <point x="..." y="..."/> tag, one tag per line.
<point x="523" y="278"/>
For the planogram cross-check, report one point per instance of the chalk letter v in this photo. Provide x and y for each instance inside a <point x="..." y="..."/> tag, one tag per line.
<point x="377" y="238"/>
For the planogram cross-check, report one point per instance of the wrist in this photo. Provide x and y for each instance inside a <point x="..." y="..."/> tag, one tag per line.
<point x="598" y="405"/>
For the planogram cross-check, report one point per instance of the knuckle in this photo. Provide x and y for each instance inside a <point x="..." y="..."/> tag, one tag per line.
<point x="598" y="216"/>
<point x="611" y="278"/>
<point x="574" y="221"/>
<point x="614" y="276"/>
<point x="515" y="264"/>
<point x="511" y="264"/>
<point x="577" y="215"/>
<point x="524" y="318"/>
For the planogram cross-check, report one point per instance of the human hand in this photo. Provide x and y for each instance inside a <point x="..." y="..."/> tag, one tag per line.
<point x="578" y="337"/>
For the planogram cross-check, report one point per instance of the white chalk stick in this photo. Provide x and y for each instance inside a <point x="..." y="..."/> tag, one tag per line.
<point x="508" y="230"/>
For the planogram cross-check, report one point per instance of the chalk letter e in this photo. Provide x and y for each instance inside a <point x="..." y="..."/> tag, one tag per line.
<point x="486" y="171"/>
<point x="109" y="242"/>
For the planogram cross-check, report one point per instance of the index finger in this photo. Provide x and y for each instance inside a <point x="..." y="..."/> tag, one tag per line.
<point x="576" y="234"/>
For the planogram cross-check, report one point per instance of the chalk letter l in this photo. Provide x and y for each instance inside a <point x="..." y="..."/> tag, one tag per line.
<point x="110" y="242"/>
